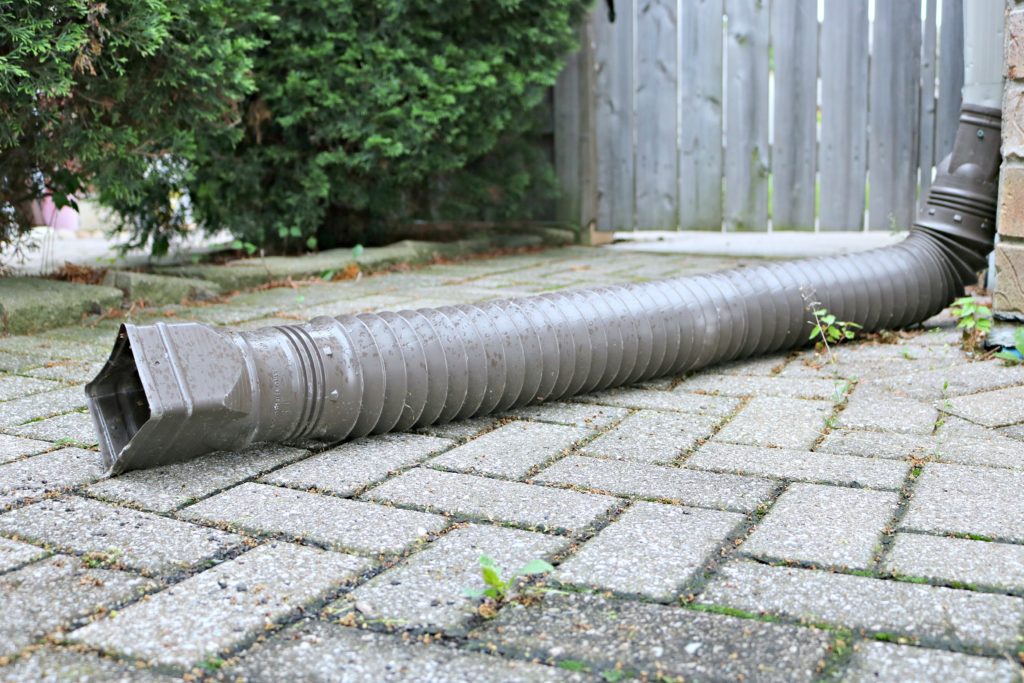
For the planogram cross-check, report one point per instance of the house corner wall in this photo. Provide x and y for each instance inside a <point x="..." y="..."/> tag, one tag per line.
<point x="1009" y="256"/>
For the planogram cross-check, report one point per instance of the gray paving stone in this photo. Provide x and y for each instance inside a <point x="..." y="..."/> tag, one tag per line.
<point x="14" y="447"/>
<point x="947" y="616"/>
<point x="689" y="487"/>
<point x="16" y="386"/>
<point x="783" y="463"/>
<point x="318" y="651"/>
<point x="763" y="366"/>
<point x="677" y="401"/>
<point x="347" y="468"/>
<point x="15" y="553"/>
<point x="959" y="560"/>
<point x="163" y="489"/>
<point x="777" y="423"/>
<point x="956" y="379"/>
<point x="137" y="540"/>
<point x="651" y="550"/>
<point x="948" y="445"/>
<point x="222" y="607"/>
<point x="512" y="450"/>
<point x="47" y="595"/>
<point x="879" y="444"/>
<point x="535" y="507"/>
<point x="426" y="591"/>
<point x="76" y="371"/>
<point x="656" y="640"/>
<point x="824" y="525"/>
<point x="67" y="666"/>
<point x="753" y="385"/>
<point x="870" y="407"/>
<point x="653" y="437"/>
<point x="70" y="428"/>
<point x="990" y="408"/>
<point x="966" y="443"/>
<point x="42" y="474"/>
<point x="461" y="430"/>
<point x="335" y="522"/>
<point x="574" y="414"/>
<point x="875" y="662"/>
<point x="37" y="406"/>
<point x="968" y="500"/>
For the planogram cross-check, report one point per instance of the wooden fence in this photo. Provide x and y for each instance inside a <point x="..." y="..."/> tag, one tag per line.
<point x="757" y="114"/>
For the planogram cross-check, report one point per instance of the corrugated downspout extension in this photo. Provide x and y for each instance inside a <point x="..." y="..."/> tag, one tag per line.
<point x="172" y="392"/>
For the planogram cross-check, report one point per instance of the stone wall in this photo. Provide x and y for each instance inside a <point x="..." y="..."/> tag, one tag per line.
<point x="1009" y="294"/>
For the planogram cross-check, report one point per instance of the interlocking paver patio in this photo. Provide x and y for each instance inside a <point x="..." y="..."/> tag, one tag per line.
<point x="347" y="468"/>
<point x="873" y="662"/>
<point x="777" y="423"/>
<point x="800" y="465"/>
<point x="164" y="488"/>
<point x="536" y="507"/>
<point x="575" y="414"/>
<point x="651" y="550"/>
<point x="427" y="590"/>
<point x="50" y="594"/>
<point x="134" y="539"/>
<point x="960" y="560"/>
<point x="870" y="407"/>
<point x="15" y="553"/>
<point x="937" y="615"/>
<point x="689" y="487"/>
<point x="653" y="437"/>
<point x="512" y="450"/>
<point x="223" y="606"/>
<point x="651" y="639"/>
<point x="983" y="501"/>
<point x="340" y="523"/>
<point x="14" y="447"/>
<point x="678" y="401"/>
<point x="735" y="523"/>
<point x="328" y="652"/>
<point x="824" y="525"/>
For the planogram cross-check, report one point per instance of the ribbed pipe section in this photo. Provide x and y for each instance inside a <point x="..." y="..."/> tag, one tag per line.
<point x="346" y="377"/>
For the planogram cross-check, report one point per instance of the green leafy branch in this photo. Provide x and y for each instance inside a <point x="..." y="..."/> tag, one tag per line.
<point x="828" y="331"/>
<point x="973" y="319"/>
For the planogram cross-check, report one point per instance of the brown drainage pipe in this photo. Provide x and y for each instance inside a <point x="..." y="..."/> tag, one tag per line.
<point x="174" y="391"/>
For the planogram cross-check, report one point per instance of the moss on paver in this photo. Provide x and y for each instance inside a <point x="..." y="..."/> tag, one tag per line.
<point x="252" y="272"/>
<point x="159" y="289"/>
<point x="29" y="305"/>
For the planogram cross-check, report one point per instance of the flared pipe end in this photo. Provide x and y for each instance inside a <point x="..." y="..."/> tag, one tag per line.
<point x="169" y="393"/>
<point x="117" y="402"/>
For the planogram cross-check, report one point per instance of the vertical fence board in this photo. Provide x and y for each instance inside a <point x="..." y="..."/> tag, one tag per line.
<point x="700" y="83"/>
<point x="747" y="164"/>
<point x="926" y="125"/>
<point x="895" y="96"/>
<point x="567" y="140"/>
<point x="657" y="186"/>
<point x="616" y="168"/>
<point x="951" y="76"/>
<point x="844" y="115"/>
<point x="794" y="26"/>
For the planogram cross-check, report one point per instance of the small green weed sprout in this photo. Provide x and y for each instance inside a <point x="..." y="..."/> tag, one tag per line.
<point x="828" y="331"/>
<point x="973" y="319"/>
<point x="500" y="589"/>
<point x="1009" y="357"/>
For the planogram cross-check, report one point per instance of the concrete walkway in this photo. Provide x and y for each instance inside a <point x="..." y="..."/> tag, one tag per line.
<point x="780" y="519"/>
